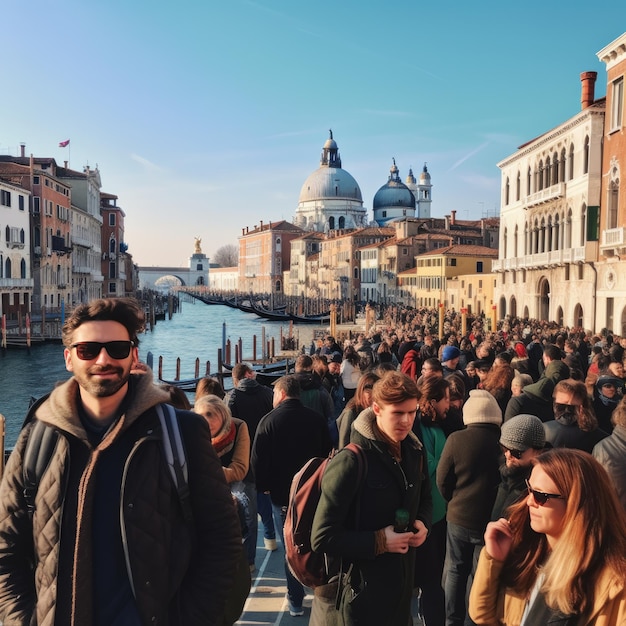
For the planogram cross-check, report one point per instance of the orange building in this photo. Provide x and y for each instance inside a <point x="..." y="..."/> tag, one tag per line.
<point x="264" y="255"/>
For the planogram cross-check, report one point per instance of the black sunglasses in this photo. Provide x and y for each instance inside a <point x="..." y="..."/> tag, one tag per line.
<point x="89" y="350"/>
<point x="516" y="454"/>
<point x="541" y="497"/>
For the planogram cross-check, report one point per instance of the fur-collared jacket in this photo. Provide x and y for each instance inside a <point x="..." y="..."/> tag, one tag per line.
<point x="179" y="572"/>
<point x="382" y="584"/>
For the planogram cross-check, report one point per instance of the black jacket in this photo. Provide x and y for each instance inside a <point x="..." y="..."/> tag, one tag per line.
<point x="250" y="401"/>
<point x="285" y="440"/>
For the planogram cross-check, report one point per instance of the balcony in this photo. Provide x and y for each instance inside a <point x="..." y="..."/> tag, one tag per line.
<point x="613" y="241"/>
<point x="554" y="192"/>
<point x="16" y="283"/>
<point x="543" y="259"/>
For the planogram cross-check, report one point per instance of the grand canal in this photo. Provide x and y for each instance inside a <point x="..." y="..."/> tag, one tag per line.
<point x="196" y="331"/>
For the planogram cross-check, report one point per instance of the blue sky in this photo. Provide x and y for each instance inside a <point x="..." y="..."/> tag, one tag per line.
<point x="205" y="117"/>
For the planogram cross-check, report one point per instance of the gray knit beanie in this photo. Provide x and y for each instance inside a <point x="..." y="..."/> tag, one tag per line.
<point x="523" y="432"/>
<point x="481" y="408"/>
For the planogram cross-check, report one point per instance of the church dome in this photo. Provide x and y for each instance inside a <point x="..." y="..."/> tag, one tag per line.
<point x="394" y="193"/>
<point x="329" y="181"/>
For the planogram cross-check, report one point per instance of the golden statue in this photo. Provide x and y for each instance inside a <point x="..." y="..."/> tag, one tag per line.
<point x="197" y="242"/>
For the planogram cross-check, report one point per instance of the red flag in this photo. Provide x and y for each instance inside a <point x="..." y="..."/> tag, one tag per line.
<point x="64" y="144"/>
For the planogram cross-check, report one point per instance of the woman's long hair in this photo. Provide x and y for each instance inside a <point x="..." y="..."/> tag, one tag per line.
<point x="358" y="402"/>
<point x="431" y="388"/>
<point x="593" y="535"/>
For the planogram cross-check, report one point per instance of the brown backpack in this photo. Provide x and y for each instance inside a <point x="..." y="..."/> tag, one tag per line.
<point x="309" y="567"/>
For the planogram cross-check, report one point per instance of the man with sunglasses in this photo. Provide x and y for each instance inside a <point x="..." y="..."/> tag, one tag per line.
<point x="522" y="438"/>
<point x="109" y="541"/>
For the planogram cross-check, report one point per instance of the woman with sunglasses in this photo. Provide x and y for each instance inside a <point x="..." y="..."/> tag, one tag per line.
<point x="560" y="557"/>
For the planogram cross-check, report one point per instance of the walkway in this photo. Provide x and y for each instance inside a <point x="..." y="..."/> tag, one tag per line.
<point x="267" y="603"/>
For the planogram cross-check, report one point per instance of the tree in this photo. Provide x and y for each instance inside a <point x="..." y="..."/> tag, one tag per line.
<point x="226" y="256"/>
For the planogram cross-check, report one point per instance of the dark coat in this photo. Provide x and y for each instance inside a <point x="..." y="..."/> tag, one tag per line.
<point x="563" y="433"/>
<point x="511" y="488"/>
<point x="383" y="583"/>
<point x="285" y="440"/>
<point x="250" y="401"/>
<point x="181" y="573"/>
<point x="468" y="474"/>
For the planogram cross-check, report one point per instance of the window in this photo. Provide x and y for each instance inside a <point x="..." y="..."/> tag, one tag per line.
<point x="35" y="180"/>
<point x="617" y="104"/>
<point x="36" y="205"/>
<point x="112" y="287"/>
<point x="479" y="267"/>
<point x="5" y="197"/>
<point x="111" y="270"/>
<point x="613" y="204"/>
<point x="586" y="157"/>
<point x="23" y="269"/>
<point x="111" y="219"/>
<point x="20" y="203"/>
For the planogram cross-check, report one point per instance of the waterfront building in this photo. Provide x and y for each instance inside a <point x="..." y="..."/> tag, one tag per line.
<point x="264" y="254"/>
<point x="224" y="278"/>
<point x="611" y="266"/>
<point x="16" y="282"/>
<point x="298" y="278"/>
<point x="473" y="292"/>
<point x="422" y="191"/>
<point x="86" y="233"/>
<point x="380" y="265"/>
<point x="394" y="200"/>
<point x="50" y="227"/>
<point x="330" y="197"/>
<point x="550" y="197"/>
<point x="339" y="262"/>
<point x="427" y="284"/>
<point x="117" y="266"/>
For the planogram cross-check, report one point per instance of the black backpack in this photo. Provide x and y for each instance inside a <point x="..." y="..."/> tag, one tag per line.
<point x="43" y="438"/>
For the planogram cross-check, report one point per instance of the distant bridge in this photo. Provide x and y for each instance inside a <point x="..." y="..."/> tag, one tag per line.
<point x="164" y="277"/>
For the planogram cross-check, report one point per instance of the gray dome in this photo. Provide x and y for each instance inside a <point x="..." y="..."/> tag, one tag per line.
<point x="330" y="183"/>
<point x="394" y="193"/>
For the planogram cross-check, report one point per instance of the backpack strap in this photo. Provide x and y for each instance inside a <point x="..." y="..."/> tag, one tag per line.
<point x="175" y="457"/>
<point x="42" y="441"/>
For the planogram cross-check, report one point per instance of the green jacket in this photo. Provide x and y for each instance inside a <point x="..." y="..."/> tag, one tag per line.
<point x="381" y="585"/>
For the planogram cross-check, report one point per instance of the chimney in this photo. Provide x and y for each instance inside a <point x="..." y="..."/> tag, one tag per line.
<point x="22" y="149"/>
<point x="65" y="164"/>
<point x="261" y="224"/>
<point x="452" y="218"/>
<point x="243" y="232"/>
<point x="446" y="222"/>
<point x="588" y="83"/>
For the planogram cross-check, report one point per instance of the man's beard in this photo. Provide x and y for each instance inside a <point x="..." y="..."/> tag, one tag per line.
<point x="103" y="388"/>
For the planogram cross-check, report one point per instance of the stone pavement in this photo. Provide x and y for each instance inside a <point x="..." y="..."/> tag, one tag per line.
<point x="267" y="603"/>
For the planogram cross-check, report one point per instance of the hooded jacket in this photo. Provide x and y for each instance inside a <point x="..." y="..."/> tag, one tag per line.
<point x="179" y="572"/>
<point x="382" y="583"/>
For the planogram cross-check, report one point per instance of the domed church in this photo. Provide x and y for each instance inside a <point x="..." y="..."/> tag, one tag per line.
<point x="330" y="198"/>
<point x="394" y="200"/>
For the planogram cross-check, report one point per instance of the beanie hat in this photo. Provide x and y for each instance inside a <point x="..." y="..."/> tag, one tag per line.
<point x="520" y="350"/>
<point x="523" y="432"/>
<point x="449" y="353"/>
<point x="481" y="408"/>
<point x="335" y="357"/>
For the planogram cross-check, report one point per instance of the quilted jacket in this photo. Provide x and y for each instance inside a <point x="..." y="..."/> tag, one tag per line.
<point x="180" y="572"/>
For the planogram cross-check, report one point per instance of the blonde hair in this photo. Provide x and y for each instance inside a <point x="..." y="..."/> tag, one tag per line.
<point x="214" y="404"/>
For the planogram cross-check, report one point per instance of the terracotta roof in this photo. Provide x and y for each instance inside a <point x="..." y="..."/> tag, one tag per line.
<point x="462" y="250"/>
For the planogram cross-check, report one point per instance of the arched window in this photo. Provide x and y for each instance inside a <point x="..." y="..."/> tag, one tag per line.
<point x="583" y="221"/>
<point x="568" y="230"/>
<point x="22" y="268"/>
<point x="547" y="171"/>
<point x="8" y="235"/>
<point x="506" y="192"/>
<point x="515" y="242"/>
<point x="571" y="162"/>
<point x="331" y="223"/>
<point x="555" y="169"/>
<point x="517" y="190"/>
<point x="1" y="267"/>
<point x="7" y="269"/>
<point x="613" y="203"/>
<point x="586" y="157"/>
<point x="342" y="222"/>
<point x="562" y="168"/>
<point x="112" y="245"/>
<point x="22" y="236"/>
<point x="504" y="243"/>
<point x="539" y="185"/>
<point x="528" y="181"/>
<point x="557" y="233"/>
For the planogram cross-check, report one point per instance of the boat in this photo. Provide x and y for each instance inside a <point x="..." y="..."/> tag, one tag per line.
<point x="186" y="384"/>
<point x="282" y="366"/>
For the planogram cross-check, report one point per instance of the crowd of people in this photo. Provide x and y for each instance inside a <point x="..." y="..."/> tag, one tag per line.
<point x="494" y="488"/>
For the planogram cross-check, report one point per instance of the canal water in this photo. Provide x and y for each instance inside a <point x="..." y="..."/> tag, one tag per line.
<point x="196" y="331"/>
